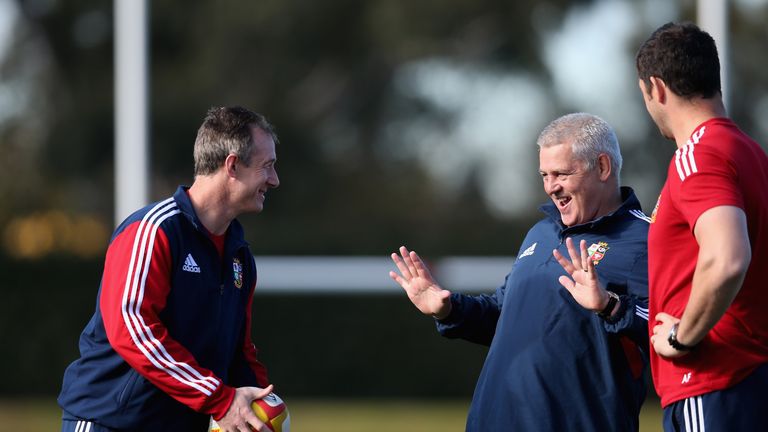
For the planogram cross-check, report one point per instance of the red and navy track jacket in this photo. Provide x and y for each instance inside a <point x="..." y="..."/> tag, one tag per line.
<point x="170" y="338"/>
<point x="553" y="365"/>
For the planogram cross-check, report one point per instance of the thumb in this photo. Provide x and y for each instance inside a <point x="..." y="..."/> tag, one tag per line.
<point x="261" y="393"/>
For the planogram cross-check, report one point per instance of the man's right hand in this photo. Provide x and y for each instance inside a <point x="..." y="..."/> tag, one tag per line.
<point x="240" y="415"/>
<point x="419" y="284"/>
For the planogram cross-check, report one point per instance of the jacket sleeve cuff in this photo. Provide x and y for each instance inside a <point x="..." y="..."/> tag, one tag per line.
<point x="219" y="402"/>
<point x="454" y="318"/>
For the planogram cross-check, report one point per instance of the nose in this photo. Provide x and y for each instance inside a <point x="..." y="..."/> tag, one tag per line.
<point x="273" y="181"/>
<point x="551" y="185"/>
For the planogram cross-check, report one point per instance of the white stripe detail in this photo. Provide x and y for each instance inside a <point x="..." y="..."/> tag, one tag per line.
<point x="78" y="426"/>
<point x="696" y="136"/>
<point x="166" y="358"/>
<point x="642" y="313"/>
<point x="694" y="415"/>
<point x="692" y="160"/>
<point x="701" y="414"/>
<point x="88" y="427"/>
<point x="640" y="215"/>
<point x="133" y="296"/>
<point x="684" y="157"/>
<point x="686" y="416"/>
<point x="685" y="162"/>
<point x="677" y="164"/>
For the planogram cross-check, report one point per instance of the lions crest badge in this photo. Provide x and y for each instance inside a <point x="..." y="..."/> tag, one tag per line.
<point x="597" y="251"/>
<point x="237" y="270"/>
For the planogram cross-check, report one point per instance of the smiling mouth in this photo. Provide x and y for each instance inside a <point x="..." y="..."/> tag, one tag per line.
<point x="562" y="202"/>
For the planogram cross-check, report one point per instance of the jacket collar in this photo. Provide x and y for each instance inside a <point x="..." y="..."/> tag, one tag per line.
<point x="629" y="202"/>
<point x="235" y="230"/>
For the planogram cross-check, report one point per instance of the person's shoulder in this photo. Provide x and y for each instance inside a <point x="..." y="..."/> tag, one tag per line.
<point x="716" y="135"/>
<point x="638" y="217"/>
<point x="545" y="224"/>
<point x="632" y="223"/>
<point x="154" y="214"/>
<point x="631" y="211"/>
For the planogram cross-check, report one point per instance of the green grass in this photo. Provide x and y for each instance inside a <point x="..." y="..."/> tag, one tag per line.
<point x="38" y="415"/>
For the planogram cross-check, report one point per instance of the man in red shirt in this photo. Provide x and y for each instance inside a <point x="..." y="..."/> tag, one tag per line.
<point x="707" y="244"/>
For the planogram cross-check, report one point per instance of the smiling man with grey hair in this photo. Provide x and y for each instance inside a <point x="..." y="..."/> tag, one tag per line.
<point x="563" y="356"/>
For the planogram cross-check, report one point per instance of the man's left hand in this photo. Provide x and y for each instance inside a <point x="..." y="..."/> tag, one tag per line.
<point x="583" y="284"/>
<point x="660" y="337"/>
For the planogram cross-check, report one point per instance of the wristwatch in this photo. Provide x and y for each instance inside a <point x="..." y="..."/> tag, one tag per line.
<point x="672" y="339"/>
<point x="613" y="298"/>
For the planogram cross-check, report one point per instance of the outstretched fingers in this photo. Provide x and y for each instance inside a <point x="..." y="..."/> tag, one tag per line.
<point x="564" y="262"/>
<point x="402" y="265"/>
<point x="396" y="277"/>
<point x="408" y="261"/>
<point x="587" y="263"/>
<point x="421" y="268"/>
<point x="567" y="283"/>
<point x="576" y="257"/>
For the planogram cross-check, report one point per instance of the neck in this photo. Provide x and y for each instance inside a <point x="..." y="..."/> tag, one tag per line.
<point x="209" y="204"/>
<point x="612" y="202"/>
<point x="691" y="113"/>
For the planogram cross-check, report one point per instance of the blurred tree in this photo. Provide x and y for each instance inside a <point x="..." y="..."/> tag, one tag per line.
<point x="326" y="75"/>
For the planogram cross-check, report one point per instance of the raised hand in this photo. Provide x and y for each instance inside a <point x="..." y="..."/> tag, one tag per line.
<point x="583" y="284"/>
<point x="418" y="283"/>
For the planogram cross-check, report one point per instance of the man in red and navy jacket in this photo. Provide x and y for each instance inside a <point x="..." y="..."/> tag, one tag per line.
<point x="169" y="344"/>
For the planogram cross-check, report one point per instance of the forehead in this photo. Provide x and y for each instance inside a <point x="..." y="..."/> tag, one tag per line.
<point x="263" y="145"/>
<point x="556" y="157"/>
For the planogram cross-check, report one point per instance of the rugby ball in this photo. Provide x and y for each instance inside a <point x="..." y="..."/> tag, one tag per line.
<point x="271" y="410"/>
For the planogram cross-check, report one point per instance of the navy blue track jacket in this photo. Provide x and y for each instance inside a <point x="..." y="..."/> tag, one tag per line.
<point x="553" y="365"/>
<point x="170" y="337"/>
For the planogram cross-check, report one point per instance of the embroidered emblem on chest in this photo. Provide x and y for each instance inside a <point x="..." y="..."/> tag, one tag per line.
<point x="597" y="251"/>
<point x="237" y="273"/>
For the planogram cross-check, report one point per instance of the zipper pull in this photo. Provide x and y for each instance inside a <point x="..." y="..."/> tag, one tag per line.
<point x="221" y="289"/>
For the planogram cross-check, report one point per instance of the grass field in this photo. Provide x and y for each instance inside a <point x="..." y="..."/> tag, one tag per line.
<point x="42" y="415"/>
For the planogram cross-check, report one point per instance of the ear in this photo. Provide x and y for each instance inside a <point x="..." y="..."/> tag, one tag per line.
<point x="604" y="167"/>
<point x="659" y="89"/>
<point x="230" y="165"/>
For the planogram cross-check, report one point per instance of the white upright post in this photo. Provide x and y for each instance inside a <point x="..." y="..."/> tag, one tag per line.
<point x="131" y="162"/>
<point x="712" y="16"/>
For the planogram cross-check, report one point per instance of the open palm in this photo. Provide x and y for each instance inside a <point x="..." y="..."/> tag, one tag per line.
<point x="419" y="285"/>
<point x="583" y="284"/>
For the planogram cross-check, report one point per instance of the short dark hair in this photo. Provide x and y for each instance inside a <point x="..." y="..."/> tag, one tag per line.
<point x="225" y="131"/>
<point x="684" y="57"/>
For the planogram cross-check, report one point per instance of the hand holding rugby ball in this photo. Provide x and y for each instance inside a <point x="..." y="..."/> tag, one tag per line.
<point x="271" y="410"/>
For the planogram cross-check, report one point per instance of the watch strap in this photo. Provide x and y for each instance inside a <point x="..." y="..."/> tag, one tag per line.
<point x="613" y="298"/>
<point x="672" y="339"/>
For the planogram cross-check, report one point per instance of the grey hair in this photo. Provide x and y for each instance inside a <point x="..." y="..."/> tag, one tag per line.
<point x="589" y="135"/>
